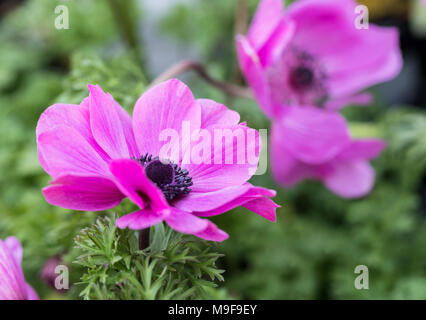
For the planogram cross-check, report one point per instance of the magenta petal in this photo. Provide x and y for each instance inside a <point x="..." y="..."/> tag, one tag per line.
<point x="362" y="99"/>
<point x="163" y="108"/>
<point x="12" y="282"/>
<point x="185" y="222"/>
<point x="351" y="179"/>
<point x="140" y="219"/>
<point x="213" y="113"/>
<point x="73" y="116"/>
<point x="65" y="151"/>
<point x="15" y="248"/>
<point x="83" y="193"/>
<point x="267" y="17"/>
<point x="252" y="69"/>
<point x="106" y="123"/>
<point x="31" y="294"/>
<point x="362" y="149"/>
<point x="212" y="233"/>
<point x="286" y="169"/>
<point x="232" y="160"/>
<point x="131" y="180"/>
<point x="274" y="46"/>
<point x="218" y="202"/>
<point x="264" y="207"/>
<point x="206" y="201"/>
<point x="312" y="135"/>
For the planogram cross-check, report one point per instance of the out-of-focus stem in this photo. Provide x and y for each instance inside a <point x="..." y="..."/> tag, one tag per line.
<point x="240" y="27"/>
<point x="126" y="25"/>
<point x="187" y="65"/>
<point x="144" y="238"/>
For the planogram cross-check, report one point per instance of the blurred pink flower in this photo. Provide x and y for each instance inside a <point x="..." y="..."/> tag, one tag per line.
<point x="98" y="155"/>
<point x="48" y="274"/>
<point x="309" y="143"/>
<point x="312" y="54"/>
<point x="12" y="281"/>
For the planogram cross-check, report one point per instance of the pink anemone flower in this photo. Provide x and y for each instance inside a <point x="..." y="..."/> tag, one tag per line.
<point x="309" y="143"/>
<point x="313" y="54"/>
<point x="97" y="155"/>
<point x="12" y="281"/>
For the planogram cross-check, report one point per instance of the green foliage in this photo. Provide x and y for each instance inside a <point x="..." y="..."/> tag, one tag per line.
<point x="119" y="75"/>
<point x="174" y="266"/>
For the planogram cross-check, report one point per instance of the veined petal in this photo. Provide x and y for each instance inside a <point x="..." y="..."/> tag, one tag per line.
<point x="83" y="193"/>
<point x="141" y="219"/>
<point x="163" y="108"/>
<point x="205" y="201"/>
<point x="212" y="233"/>
<point x="15" y="248"/>
<point x="218" y="202"/>
<point x="185" y="222"/>
<point x="228" y="155"/>
<point x="213" y="113"/>
<point x="264" y="207"/>
<point x="106" y="124"/>
<point x="65" y="151"/>
<point x="12" y="282"/>
<point x="73" y="116"/>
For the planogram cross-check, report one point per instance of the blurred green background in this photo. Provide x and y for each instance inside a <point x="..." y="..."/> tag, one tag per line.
<point x="319" y="239"/>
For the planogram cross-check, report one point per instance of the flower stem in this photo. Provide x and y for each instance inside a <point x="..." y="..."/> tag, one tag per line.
<point x="127" y="26"/>
<point x="187" y="65"/>
<point x="144" y="238"/>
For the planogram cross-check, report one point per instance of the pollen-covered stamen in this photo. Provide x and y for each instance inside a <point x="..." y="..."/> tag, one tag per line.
<point x="169" y="177"/>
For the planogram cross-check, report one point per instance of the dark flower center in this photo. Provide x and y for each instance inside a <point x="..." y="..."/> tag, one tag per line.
<point x="302" y="77"/>
<point x="169" y="177"/>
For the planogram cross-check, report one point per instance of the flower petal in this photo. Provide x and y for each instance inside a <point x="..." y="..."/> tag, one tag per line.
<point x="351" y="179"/>
<point x="185" y="222"/>
<point x="65" y="151"/>
<point x="83" y="193"/>
<point x="212" y="233"/>
<point x="227" y="156"/>
<point x="268" y="15"/>
<point x="362" y="149"/>
<point x="15" y="248"/>
<point x="313" y="135"/>
<point x="106" y="124"/>
<point x="162" y="108"/>
<point x="206" y="201"/>
<point x="141" y="219"/>
<point x="213" y="113"/>
<point x="253" y="72"/>
<point x="73" y="116"/>
<point x="286" y="169"/>
<point x="264" y="207"/>
<point x="12" y="283"/>
<point x="277" y="42"/>
<point x="131" y="179"/>
<point x="218" y="202"/>
<point x="31" y="294"/>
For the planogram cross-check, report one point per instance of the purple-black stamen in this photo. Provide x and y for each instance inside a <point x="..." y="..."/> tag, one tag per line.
<point x="302" y="78"/>
<point x="169" y="177"/>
